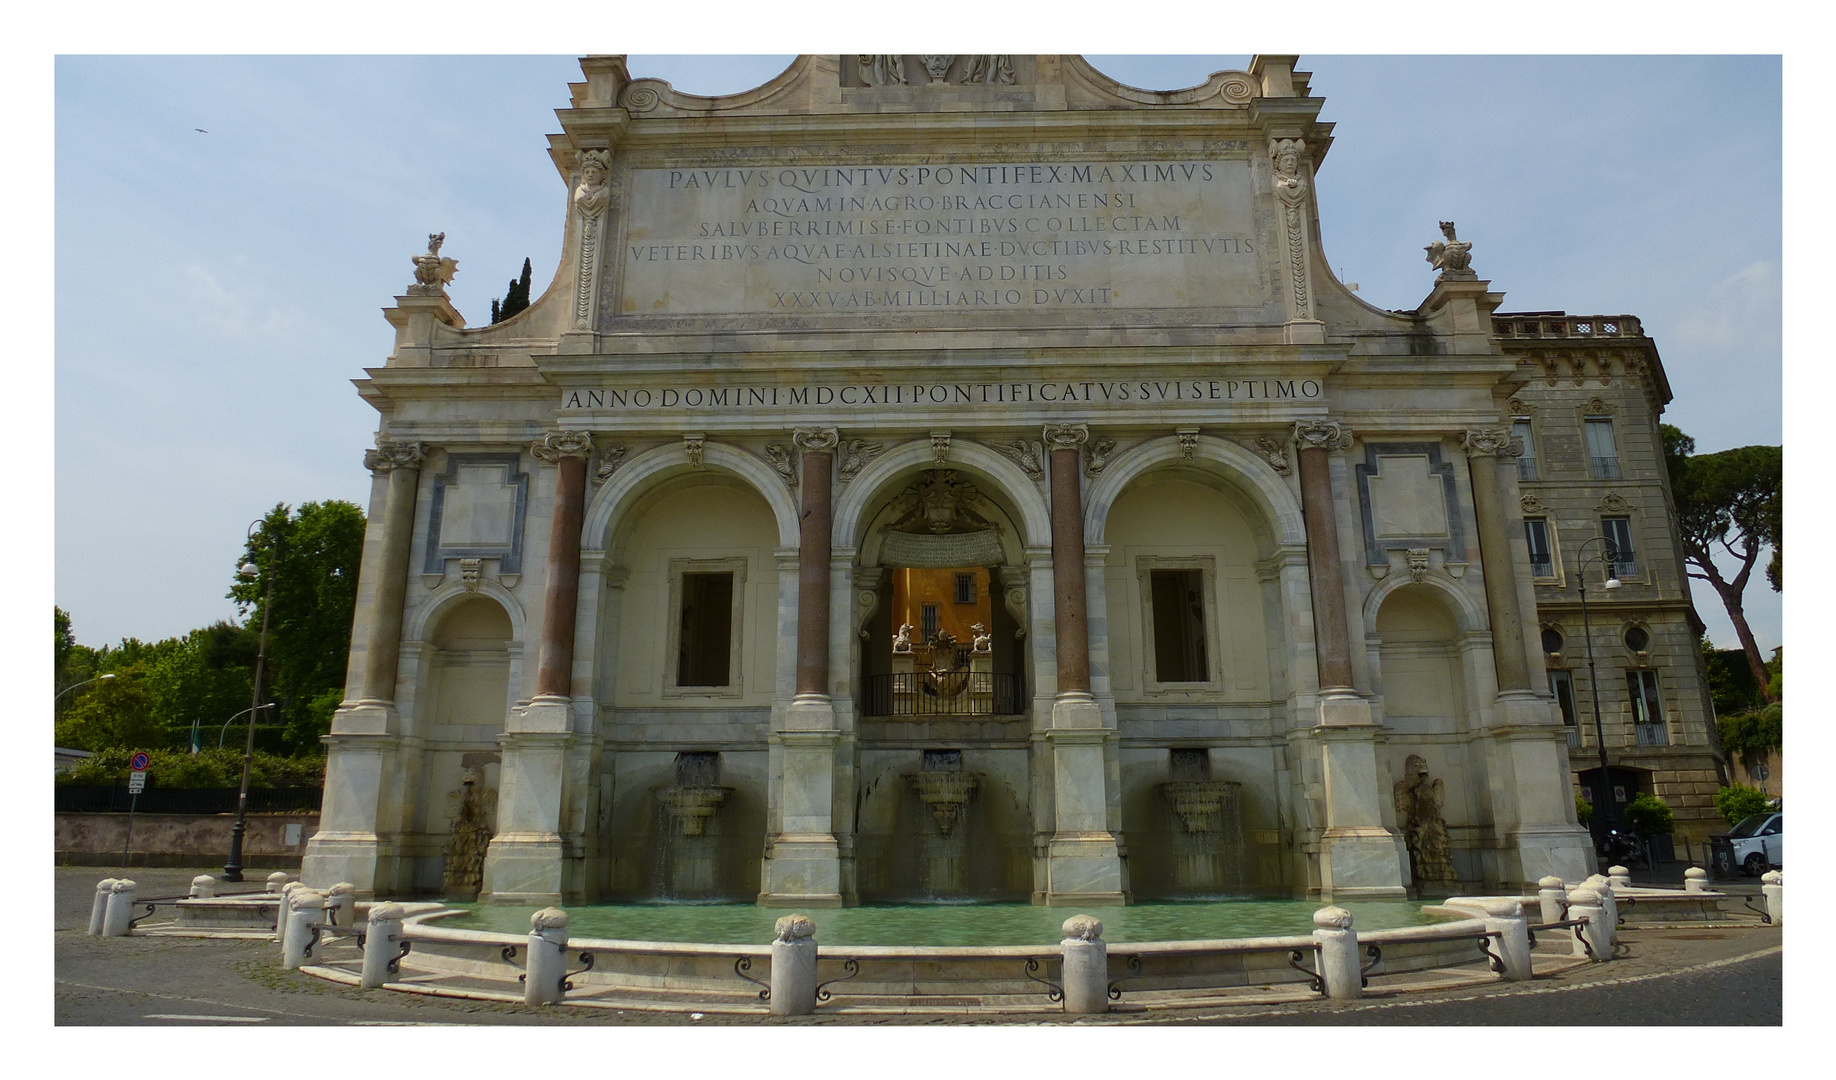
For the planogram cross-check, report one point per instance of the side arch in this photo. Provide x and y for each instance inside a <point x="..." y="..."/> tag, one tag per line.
<point x="662" y="463"/>
<point x="1020" y="490"/>
<point x="1468" y="615"/>
<point x="1232" y="462"/>
<point x="453" y="593"/>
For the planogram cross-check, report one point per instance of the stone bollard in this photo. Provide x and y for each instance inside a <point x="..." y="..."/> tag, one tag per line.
<point x="120" y="909"/>
<point x="381" y="944"/>
<point x="276" y="881"/>
<point x="1695" y="879"/>
<point x="342" y="903"/>
<point x="1506" y="918"/>
<point x="1553" y="895"/>
<point x="306" y="908"/>
<point x="1774" y="888"/>
<point x="547" y="965"/>
<point x="1608" y="902"/>
<point x="1619" y="877"/>
<point x="99" y="908"/>
<point x="1339" y="966"/>
<point x="203" y="887"/>
<point x="793" y="967"/>
<point x="1584" y="904"/>
<point x="1086" y="967"/>
<point x="282" y="909"/>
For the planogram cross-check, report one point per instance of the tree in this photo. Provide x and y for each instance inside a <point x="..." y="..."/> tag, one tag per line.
<point x="1740" y="802"/>
<point x="117" y="712"/>
<point x="515" y="300"/>
<point x="313" y="555"/>
<point x="1732" y="500"/>
<point x="1649" y="816"/>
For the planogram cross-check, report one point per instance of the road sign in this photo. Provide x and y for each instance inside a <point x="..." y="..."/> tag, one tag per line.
<point x="139" y="761"/>
<point x="137" y="781"/>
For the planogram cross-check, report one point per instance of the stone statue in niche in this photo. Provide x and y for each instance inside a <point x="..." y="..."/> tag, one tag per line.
<point x="1451" y="256"/>
<point x="902" y="641"/>
<point x="1290" y="186"/>
<point x="990" y="69"/>
<point x="432" y="271"/>
<point x="1418" y="814"/>
<point x="882" y="69"/>
<point x="463" y="874"/>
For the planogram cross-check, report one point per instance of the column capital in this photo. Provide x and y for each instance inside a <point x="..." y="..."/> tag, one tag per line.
<point x="815" y="440"/>
<point x="394" y="455"/>
<point x="563" y="443"/>
<point x="1066" y="436"/>
<point x="1322" y="435"/>
<point x="1490" y="442"/>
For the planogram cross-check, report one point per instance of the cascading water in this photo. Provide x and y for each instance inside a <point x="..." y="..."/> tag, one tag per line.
<point x="689" y="863"/>
<point x="944" y="789"/>
<point x="470" y="833"/>
<point x="1207" y="834"/>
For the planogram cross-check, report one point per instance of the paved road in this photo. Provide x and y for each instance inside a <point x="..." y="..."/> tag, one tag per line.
<point x="1674" y="977"/>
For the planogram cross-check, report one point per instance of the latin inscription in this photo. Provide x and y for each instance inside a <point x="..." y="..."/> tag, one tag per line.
<point x="1080" y="392"/>
<point x="928" y="237"/>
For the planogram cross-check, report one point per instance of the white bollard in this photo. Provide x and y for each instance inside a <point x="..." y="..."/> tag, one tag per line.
<point x="1619" y="877"/>
<point x="547" y="964"/>
<point x="1340" y="970"/>
<point x="1506" y="919"/>
<point x="793" y="966"/>
<point x="99" y="907"/>
<point x="1695" y="879"/>
<point x="1774" y="888"/>
<point x="308" y="907"/>
<point x="276" y="881"/>
<point x="282" y="909"/>
<point x="341" y="901"/>
<point x="120" y="909"/>
<point x="381" y="944"/>
<point x="1086" y="966"/>
<point x="203" y="887"/>
<point x="1584" y="904"/>
<point x="1553" y="895"/>
<point x="1608" y="902"/>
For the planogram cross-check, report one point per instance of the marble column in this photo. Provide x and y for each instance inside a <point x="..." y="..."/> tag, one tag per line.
<point x="524" y="862"/>
<point x="1359" y="856"/>
<point x="1486" y="452"/>
<point x="803" y="862"/>
<point x="362" y="817"/>
<point x="1083" y="865"/>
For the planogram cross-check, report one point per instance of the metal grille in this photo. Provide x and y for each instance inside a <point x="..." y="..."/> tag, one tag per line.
<point x="946" y="693"/>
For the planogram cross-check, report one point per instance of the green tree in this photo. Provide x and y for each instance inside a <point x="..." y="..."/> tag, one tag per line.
<point x="1740" y="801"/>
<point x="1732" y="500"/>
<point x="115" y="712"/>
<point x="514" y="300"/>
<point x="313" y="556"/>
<point x="1649" y="816"/>
<point x="1752" y="732"/>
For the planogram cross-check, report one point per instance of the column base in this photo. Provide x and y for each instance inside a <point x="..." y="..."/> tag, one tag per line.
<point x="801" y="871"/>
<point x="1564" y="851"/>
<point x="1084" y="870"/>
<point x="810" y="712"/>
<point x="1344" y="709"/>
<point x="1076" y="709"/>
<point x="362" y="859"/>
<point x="1363" y="863"/>
<point x="523" y="868"/>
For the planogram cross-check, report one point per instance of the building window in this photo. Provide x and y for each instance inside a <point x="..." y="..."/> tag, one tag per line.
<point x="1526" y="461"/>
<point x="1647" y="707"/>
<point x="1618" y="531"/>
<point x="1638" y="639"/>
<point x="1552" y="640"/>
<point x="704" y="651"/>
<point x="965" y="588"/>
<point x="1602" y="455"/>
<point x="1178" y="601"/>
<point x="928" y="621"/>
<point x="1536" y="536"/>
<point x="1562" y="685"/>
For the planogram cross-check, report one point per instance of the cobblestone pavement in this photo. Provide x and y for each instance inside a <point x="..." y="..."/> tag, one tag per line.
<point x="1673" y="977"/>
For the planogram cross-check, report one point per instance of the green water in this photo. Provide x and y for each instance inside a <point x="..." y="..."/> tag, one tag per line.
<point x="945" y="924"/>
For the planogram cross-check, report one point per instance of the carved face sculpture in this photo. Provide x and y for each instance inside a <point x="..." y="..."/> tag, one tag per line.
<point x="1288" y="161"/>
<point x="1416" y="767"/>
<point x="593" y="173"/>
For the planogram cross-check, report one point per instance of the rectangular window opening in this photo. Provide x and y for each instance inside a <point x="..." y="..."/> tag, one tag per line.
<point x="1618" y="531"/>
<point x="928" y="621"/>
<point x="1647" y="707"/>
<point x="965" y="588"/>
<point x="1562" y="685"/>
<point x="705" y="647"/>
<point x="1602" y="454"/>
<point x="1179" y="625"/>
<point x="1536" y="536"/>
<point x="1526" y="461"/>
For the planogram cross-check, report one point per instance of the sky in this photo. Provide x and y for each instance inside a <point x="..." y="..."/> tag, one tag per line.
<point x="206" y="378"/>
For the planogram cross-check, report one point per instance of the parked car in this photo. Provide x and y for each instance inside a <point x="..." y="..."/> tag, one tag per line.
<point x="1755" y="845"/>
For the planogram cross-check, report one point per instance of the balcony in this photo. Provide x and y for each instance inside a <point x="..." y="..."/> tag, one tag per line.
<point x="1543" y="567"/>
<point x="1560" y="325"/>
<point x="943" y="693"/>
<point x="1604" y="468"/>
<point x="1652" y="735"/>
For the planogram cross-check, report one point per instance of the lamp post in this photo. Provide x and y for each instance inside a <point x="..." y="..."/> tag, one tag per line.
<point x="85" y="682"/>
<point x="231" y="720"/>
<point x="248" y="571"/>
<point x="1606" y="556"/>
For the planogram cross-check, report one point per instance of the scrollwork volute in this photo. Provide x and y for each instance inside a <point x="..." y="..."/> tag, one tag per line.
<point x="394" y="455"/>
<point x="816" y="440"/>
<point x="1321" y="435"/>
<point x="556" y="445"/>
<point x="1489" y="442"/>
<point x="1066" y="436"/>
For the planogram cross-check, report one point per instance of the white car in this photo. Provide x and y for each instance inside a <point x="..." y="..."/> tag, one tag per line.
<point x="1755" y="845"/>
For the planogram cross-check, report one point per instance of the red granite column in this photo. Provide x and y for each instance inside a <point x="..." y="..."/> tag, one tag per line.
<point x="568" y="451"/>
<point x="1069" y="605"/>
<point x="818" y="449"/>
<point x="382" y="650"/>
<point x="1332" y="643"/>
<point x="1486" y="450"/>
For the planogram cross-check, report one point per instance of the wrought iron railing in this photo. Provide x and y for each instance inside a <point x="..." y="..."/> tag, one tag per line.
<point x="1652" y="735"/>
<point x="943" y="693"/>
<point x="1604" y="468"/>
<point x="85" y="799"/>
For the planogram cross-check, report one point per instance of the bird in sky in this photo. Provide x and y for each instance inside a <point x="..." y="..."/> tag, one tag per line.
<point x="201" y="130"/>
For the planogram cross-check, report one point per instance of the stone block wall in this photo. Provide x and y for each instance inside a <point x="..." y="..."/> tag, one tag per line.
<point x="180" y="839"/>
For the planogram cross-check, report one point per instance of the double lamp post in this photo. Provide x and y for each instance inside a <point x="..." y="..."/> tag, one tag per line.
<point x="1607" y="558"/>
<point x="249" y="571"/>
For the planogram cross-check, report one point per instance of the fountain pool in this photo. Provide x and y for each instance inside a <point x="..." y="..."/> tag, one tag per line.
<point x="944" y="924"/>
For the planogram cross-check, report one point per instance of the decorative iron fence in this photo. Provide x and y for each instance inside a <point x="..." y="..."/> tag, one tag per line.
<point x="82" y="799"/>
<point x="943" y="693"/>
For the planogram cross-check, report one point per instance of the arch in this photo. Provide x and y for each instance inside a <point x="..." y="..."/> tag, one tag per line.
<point x="453" y="593"/>
<point x="1242" y="468"/>
<point x="1468" y="615"/>
<point x="1025" y="496"/>
<point x="666" y="462"/>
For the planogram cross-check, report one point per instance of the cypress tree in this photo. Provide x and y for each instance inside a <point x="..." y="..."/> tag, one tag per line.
<point x="515" y="300"/>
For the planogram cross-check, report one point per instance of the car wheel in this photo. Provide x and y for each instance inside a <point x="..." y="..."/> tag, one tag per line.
<point x="1755" y="865"/>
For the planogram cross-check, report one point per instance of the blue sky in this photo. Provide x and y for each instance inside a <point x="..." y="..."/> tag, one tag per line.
<point x="217" y="290"/>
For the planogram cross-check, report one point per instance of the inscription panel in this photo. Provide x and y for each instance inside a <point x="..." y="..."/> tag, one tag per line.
<point x="906" y="239"/>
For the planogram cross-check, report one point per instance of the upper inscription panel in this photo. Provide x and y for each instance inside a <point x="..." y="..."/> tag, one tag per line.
<point x="941" y="238"/>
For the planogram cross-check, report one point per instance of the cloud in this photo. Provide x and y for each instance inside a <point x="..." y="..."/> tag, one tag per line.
<point x="1740" y="310"/>
<point x="240" y="313"/>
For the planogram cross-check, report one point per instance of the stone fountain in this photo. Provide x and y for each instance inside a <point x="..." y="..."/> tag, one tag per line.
<point x="945" y="790"/>
<point x="1208" y="848"/>
<point x="690" y="857"/>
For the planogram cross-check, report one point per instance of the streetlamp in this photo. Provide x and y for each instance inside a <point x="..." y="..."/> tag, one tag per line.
<point x="248" y="571"/>
<point x="1606" y="557"/>
<point x="85" y="682"/>
<point x="232" y="720"/>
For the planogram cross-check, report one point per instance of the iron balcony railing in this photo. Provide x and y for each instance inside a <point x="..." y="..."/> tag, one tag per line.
<point x="1652" y="735"/>
<point x="1605" y="468"/>
<point x="943" y="693"/>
